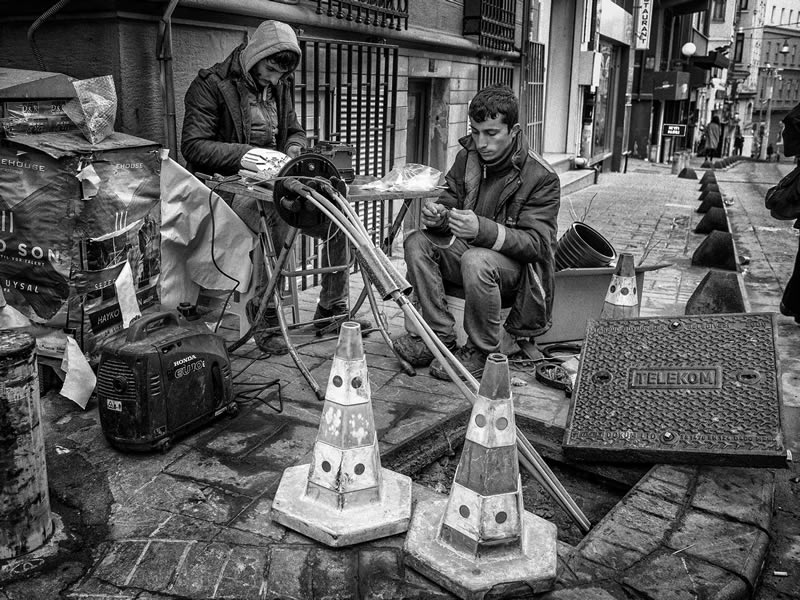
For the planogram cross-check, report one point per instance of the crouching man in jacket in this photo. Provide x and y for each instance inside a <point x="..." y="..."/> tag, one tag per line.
<point x="246" y="102"/>
<point x="492" y="232"/>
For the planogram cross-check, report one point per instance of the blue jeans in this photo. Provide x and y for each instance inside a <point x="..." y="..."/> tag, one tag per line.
<point x="334" y="292"/>
<point x="486" y="276"/>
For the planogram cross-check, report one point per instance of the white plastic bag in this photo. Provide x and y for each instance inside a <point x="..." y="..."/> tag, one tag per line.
<point x="411" y="177"/>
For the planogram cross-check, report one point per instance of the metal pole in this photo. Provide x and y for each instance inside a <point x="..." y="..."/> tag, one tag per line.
<point x="763" y="152"/>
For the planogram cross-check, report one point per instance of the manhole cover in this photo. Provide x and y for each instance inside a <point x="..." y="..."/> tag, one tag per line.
<point x="693" y="389"/>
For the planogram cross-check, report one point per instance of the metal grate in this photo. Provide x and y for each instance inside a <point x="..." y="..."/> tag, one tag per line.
<point x="110" y="371"/>
<point x="493" y="75"/>
<point x="347" y="92"/>
<point x="378" y="13"/>
<point x="533" y="95"/>
<point x="492" y="21"/>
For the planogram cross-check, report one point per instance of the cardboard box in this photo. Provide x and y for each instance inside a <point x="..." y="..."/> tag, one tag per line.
<point x="71" y="215"/>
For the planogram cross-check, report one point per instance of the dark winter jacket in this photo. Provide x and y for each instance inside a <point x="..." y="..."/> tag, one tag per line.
<point x="216" y="125"/>
<point x="523" y="228"/>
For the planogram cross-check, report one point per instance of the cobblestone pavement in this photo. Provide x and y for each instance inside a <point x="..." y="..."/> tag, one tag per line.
<point x="194" y="522"/>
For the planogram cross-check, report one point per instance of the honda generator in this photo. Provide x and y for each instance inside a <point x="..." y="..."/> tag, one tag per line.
<point x="160" y="380"/>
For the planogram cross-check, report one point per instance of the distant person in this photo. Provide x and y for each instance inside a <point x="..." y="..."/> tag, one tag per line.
<point x="247" y="102"/>
<point x="499" y="214"/>
<point x="738" y="142"/>
<point x="770" y="152"/>
<point x="712" y="133"/>
<point x="790" y="303"/>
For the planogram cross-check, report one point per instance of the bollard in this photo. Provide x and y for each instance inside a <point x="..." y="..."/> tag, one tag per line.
<point x="344" y="496"/>
<point x="481" y="539"/>
<point x="25" y="520"/>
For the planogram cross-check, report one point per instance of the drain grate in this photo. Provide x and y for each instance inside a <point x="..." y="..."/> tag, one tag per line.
<point x="694" y="389"/>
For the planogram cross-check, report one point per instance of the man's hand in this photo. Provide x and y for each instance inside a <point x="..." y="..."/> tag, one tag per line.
<point x="293" y="151"/>
<point x="433" y="213"/>
<point x="464" y="223"/>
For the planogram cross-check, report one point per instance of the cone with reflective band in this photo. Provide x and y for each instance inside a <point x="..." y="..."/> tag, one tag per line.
<point x="622" y="297"/>
<point x="481" y="538"/>
<point x="344" y="496"/>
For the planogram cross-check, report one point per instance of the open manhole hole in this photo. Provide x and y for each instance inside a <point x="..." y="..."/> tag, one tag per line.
<point x="595" y="489"/>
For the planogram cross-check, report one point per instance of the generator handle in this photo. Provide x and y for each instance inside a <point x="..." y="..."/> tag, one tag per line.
<point x="140" y="327"/>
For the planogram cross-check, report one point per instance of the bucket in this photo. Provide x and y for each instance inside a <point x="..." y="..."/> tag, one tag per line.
<point x="581" y="246"/>
<point x="24" y="500"/>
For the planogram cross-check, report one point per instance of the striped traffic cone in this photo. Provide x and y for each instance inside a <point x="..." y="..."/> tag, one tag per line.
<point x="344" y="496"/>
<point x="480" y="537"/>
<point x="622" y="297"/>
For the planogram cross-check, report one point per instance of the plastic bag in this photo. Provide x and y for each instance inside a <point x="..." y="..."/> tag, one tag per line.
<point x="407" y="178"/>
<point x="94" y="110"/>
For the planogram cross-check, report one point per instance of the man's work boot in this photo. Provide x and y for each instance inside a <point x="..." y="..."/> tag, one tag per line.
<point x="337" y="313"/>
<point x="413" y="350"/>
<point x="266" y="333"/>
<point x="473" y="360"/>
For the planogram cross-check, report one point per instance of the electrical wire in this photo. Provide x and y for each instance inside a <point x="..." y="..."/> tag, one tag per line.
<point x="213" y="258"/>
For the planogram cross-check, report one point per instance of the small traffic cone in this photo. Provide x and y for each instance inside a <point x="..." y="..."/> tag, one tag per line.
<point x="622" y="297"/>
<point x="481" y="537"/>
<point x="344" y="496"/>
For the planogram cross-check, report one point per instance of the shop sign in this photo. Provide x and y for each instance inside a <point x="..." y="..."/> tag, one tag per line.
<point x="673" y="129"/>
<point x="642" y="31"/>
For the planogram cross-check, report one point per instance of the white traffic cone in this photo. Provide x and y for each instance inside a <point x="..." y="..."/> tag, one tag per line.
<point x="481" y="537"/>
<point x="344" y="496"/>
<point x="622" y="297"/>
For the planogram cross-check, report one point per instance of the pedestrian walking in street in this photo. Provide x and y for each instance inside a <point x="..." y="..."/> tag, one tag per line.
<point x="712" y="133"/>
<point x="243" y="103"/>
<point x="770" y="152"/>
<point x="738" y="142"/>
<point x="498" y="217"/>
<point x="790" y="303"/>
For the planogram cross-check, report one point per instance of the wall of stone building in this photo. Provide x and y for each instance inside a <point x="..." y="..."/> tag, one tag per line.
<point x="123" y="44"/>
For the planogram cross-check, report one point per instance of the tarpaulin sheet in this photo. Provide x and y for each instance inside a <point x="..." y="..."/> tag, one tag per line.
<point x="187" y="231"/>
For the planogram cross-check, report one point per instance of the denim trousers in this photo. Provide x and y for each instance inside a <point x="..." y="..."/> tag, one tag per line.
<point x="486" y="276"/>
<point x="334" y="292"/>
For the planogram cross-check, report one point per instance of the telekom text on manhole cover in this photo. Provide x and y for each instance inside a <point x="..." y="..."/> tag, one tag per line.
<point x="693" y="389"/>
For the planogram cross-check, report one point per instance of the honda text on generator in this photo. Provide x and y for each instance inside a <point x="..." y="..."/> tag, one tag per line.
<point x="161" y="381"/>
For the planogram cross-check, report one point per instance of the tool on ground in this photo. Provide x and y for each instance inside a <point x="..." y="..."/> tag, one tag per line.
<point x="322" y="198"/>
<point x="554" y="376"/>
<point x="161" y="380"/>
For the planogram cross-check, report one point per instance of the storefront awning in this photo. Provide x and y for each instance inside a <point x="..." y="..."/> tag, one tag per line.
<point x="684" y="7"/>
<point x="711" y="60"/>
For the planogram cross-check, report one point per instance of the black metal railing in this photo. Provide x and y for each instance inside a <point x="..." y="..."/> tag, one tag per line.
<point x="378" y="13"/>
<point x="346" y="92"/>
<point x="533" y="97"/>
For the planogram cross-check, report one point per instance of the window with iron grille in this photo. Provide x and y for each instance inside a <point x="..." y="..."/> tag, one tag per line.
<point x="533" y="95"/>
<point x="346" y="93"/>
<point x="379" y="13"/>
<point x="492" y="21"/>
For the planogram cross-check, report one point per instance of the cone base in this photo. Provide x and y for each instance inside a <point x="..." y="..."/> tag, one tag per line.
<point x="291" y="508"/>
<point x="530" y="570"/>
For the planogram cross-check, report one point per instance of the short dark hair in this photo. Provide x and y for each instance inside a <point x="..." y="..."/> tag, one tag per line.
<point x="492" y="101"/>
<point x="285" y="60"/>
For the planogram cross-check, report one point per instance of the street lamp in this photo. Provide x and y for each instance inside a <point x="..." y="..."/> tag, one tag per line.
<point x="770" y="74"/>
<point x="688" y="50"/>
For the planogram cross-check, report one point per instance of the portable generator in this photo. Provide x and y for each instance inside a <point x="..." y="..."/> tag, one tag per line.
<point x="160" y="380"/>
<point x="340" y="154"/>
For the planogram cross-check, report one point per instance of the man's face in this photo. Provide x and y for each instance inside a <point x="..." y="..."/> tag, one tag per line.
<point x="265" y="71"/>
<point x="493" y="137"/>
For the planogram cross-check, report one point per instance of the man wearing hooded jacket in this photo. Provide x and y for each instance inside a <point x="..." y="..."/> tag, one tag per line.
<point x="492" y="232"/>
<point x="246" y="102"/>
